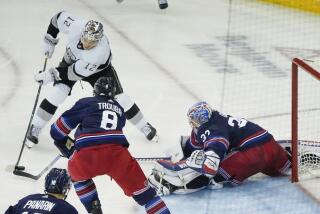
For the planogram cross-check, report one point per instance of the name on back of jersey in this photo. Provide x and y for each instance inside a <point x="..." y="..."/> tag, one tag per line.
<point x="110" y="106"/>
<point x="39" y="205"/>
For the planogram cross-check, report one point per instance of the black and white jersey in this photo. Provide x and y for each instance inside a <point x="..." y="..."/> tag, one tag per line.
<point x="82" y="63"/>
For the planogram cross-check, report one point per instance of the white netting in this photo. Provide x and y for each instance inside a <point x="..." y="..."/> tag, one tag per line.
<point x="308" y="124"/>
<point x="308" y="159"/>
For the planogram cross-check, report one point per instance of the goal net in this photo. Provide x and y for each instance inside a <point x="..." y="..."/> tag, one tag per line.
<point x="305" y="119"/>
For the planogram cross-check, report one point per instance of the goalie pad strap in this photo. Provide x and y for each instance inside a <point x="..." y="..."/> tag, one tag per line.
<point x="178" y="175"/>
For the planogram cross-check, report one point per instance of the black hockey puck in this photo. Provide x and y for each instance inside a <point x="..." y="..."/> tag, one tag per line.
<point x="21" y="168"/>
<point x="163" y="6"/>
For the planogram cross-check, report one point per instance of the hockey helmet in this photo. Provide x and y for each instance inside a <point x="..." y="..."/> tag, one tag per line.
<point x="92" y="33"/>
<point x="199" y="114"/>
<point x="57" y="181"/>
<point x="105" y="86"/>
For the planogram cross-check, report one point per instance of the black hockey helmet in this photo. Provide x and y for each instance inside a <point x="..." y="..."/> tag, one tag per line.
<point x="105" y="86"/>
<point x="57" y="181"/>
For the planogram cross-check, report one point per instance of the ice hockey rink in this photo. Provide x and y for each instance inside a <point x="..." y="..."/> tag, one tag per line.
<point x="166" y="60"/>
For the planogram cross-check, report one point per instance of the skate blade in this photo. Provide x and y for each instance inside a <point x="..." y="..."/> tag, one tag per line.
<point x="155" y="139"/>
<point x="29" y="144"/>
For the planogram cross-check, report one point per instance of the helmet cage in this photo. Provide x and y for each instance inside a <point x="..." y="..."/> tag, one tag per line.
<point x="93" y="31"/>
<point x="199" y="114"/>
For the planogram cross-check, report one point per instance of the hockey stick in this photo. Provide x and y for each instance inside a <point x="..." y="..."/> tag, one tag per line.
<point x="36" y="177"/>
<point x="150" y="159"/>
<point x="17" y="167"/>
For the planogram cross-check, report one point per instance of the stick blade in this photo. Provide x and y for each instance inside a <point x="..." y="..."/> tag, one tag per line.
<point x="25" y="174"/>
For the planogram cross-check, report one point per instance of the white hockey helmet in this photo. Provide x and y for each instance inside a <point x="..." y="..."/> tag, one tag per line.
<point x="92" y="33"/>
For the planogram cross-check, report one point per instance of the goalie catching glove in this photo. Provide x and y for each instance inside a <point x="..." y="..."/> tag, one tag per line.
<point x="206" y="163"/>
<point x="66" y="146"/>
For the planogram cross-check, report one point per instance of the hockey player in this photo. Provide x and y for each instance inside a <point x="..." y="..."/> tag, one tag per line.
<point x="100" y="148"/>
<point x="57" y="186"/>
<point x="87" y="57"/>
<point x="220" y="150"/>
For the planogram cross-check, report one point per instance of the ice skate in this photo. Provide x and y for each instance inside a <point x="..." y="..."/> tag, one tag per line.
<point x="163" y="4"/>
<point x="96" y="207"/>
<point x="161" y="186"/>
<point x="32" y="136"/>
<point x="150" y="132"/>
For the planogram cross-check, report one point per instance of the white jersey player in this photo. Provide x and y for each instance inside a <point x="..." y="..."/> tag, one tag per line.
<point x="87" y="57"/>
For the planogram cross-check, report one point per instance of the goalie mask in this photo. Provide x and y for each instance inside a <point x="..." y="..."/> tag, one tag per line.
<point x="92" y="33"/>
<point x="105" y="86"/>
<point x="58" y="181"/>
<point x="199" y="114"/>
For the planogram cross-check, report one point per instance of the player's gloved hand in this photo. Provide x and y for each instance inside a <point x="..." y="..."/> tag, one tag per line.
<point x="206" y="163"/>
<point x="51" y="75"/>
<point x="49" y="44"/>
<point x="65" y="146"/>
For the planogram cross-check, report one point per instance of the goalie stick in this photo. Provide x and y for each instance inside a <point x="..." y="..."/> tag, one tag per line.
<point x="17" y="167"/>
<point x="150" y="159"/>
<point x="36" y="177"/>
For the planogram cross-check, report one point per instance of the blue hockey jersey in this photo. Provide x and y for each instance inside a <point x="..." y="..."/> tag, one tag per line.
<point x="99" y="121"/>
<point x="41" y="203"/>
<point x="224" y="133"/>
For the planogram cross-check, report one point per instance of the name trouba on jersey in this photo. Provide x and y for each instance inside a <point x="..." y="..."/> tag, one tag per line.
<point x="110" y="106"/>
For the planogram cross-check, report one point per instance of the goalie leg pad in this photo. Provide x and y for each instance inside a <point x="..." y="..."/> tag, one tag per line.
<point x="168" y="177"/>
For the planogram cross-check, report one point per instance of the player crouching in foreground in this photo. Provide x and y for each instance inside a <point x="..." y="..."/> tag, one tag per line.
<point x="57" y="186"/>
<point x="101" y="148"/>
<point x="220" y="150"/>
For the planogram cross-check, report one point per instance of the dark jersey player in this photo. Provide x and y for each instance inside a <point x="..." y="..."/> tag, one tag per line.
<point x="57" y="185"/>
<point x="221" y="149"/>
<point x="100" y="148"/>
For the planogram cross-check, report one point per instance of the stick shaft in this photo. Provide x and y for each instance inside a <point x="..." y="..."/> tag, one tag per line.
<point x="32" y="114"/>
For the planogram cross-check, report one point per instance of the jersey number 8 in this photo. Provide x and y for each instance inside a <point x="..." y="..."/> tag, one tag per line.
<point x="109" y="120"/>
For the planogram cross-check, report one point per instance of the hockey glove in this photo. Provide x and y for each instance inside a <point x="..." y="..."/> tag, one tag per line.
<point x="206" y="163"/>
<point x="66" y="147"/>
<point x="49" y="44"/>
<point x="51" y="75"/>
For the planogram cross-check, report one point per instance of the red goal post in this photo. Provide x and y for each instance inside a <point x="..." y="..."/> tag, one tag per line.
<point x="299" y="65"/>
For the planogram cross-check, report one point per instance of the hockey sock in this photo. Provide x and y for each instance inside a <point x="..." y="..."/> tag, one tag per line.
<point x="44" y="113"/>
<point x="87" y="193"/>
<point x="156" y="205"/>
